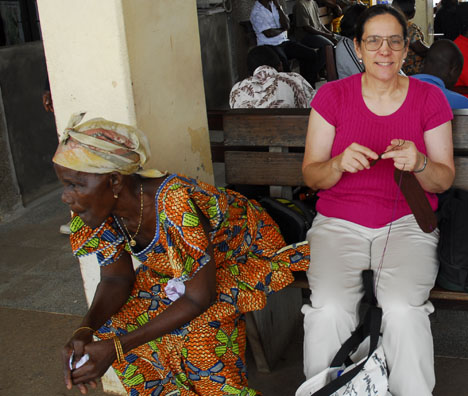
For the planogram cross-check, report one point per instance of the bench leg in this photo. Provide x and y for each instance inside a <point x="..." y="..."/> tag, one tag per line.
<point x="269" y="331"/>
<point x="255" y="343"/>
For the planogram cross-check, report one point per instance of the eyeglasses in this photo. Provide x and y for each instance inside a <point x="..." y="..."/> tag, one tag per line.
<point x="395" y="42"/>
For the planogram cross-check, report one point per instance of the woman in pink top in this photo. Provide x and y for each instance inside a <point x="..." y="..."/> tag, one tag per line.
<point x="352" y="122"/>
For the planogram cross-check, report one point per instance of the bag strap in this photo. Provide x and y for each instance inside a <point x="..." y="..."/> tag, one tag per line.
<point x="369" y="327"/>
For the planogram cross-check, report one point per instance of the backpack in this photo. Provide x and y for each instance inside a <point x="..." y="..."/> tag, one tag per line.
<point x="452" y="249"/>
<point x="294" y="217"/>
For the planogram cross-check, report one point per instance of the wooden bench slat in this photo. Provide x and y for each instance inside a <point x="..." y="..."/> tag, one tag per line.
<point x="460" y="137"/>
<point x="263" y="169"/>
<point x="461" y="172"/>
<point x="438" y="293"/>
<point x="263" y="130"/>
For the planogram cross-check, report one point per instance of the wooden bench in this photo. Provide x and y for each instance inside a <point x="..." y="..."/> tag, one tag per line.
<point x="265" y="147"/>
<point x="326" y="16"/>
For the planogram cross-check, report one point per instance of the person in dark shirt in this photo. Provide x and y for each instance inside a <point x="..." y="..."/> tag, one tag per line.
<point x="446" y="20"/>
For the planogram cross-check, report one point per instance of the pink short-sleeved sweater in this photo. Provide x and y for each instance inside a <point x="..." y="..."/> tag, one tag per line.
<point x="368" y="197"/>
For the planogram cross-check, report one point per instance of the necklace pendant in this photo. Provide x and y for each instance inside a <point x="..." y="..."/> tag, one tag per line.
<point x="132" y="243"/>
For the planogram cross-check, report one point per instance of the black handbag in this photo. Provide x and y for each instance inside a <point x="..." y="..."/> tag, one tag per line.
<point x="294" y="217"/>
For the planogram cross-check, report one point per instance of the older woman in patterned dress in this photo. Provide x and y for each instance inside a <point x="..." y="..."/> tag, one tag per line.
<point x="173" y="326"/>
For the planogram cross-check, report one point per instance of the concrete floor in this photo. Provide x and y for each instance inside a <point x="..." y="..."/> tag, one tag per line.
<point x="42" y="300"/>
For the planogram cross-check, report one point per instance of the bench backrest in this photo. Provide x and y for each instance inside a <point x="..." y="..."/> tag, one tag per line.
<point x="325" y="15"/>
<point x="265" y="146"/>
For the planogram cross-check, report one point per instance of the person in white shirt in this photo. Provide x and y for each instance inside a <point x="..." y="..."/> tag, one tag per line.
<point x="270" y="24"/>
<point x="268" y="87"/>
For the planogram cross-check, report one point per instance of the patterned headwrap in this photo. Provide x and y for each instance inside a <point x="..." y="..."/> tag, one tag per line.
<point x="102" y="146"/>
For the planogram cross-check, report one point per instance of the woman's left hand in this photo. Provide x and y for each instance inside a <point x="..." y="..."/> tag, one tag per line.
<point x="405" y="155"/>
<point x="101" y="355"/>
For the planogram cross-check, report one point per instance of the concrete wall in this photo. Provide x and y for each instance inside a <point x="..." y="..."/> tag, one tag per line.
<point x="217" y="58"/>
<point x="28" y="132"/>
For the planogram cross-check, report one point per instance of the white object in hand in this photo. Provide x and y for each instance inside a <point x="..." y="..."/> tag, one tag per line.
<point x="79" y="363"/>
<point x="174" y="289"/>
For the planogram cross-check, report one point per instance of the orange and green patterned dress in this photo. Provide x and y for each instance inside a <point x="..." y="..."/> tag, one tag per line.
<point x="207" y="355"/>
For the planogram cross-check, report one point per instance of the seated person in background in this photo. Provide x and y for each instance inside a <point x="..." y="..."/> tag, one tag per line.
<point x="270" y="24"/>
<point x="446" y="20"/>
<point x="310" y="30"/>
<point x="347" y="62"/>
<point x="417" y="46"/>
<point x="462" y="43"/>
<point x="442" y="67"/>
<point x="268" y="87"/>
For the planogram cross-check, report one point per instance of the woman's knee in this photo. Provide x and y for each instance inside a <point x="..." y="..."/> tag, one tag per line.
<point x="405" y="299"/>
<point x="400" y="316"/>
<point x="330" y="314"/>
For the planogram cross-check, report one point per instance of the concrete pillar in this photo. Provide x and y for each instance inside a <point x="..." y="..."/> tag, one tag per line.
<point x="136" y="62"/>
<point x="424" y="18"/>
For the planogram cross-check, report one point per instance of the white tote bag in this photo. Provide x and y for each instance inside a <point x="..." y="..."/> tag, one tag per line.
<point x="367" y="377"/>
<point x="371" y="380"/>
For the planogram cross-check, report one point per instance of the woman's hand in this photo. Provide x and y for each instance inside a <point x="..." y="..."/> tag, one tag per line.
<point x="319" y="169"/>
<point x="76" y="347"/>
<point x="354" y="158"/>
<point x="101" y="355"/>
<point x="112" y="292"/>
<point x="405" y="155"/>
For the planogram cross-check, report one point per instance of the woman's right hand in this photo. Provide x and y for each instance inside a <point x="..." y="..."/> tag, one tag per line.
<point x="354" y="158"/>
<point x="76" y="345"/>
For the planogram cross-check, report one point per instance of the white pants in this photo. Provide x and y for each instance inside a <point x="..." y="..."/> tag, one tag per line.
<point x="340" y="251"/>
